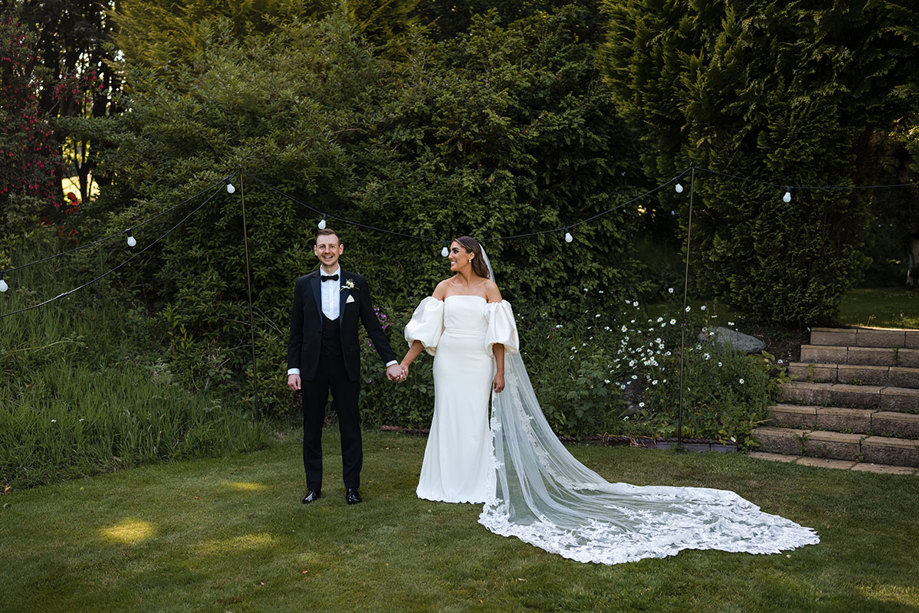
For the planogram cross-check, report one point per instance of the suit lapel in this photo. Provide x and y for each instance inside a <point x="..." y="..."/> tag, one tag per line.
<point x="317" y="296"/>
<point x="343" y="294"/>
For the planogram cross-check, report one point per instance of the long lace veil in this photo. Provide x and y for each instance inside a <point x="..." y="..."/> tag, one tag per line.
<point x="546" y="497"/>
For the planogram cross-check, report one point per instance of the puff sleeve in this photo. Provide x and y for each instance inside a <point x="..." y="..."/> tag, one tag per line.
<point x="427" y="324"/>
<point x="501" y="327"/>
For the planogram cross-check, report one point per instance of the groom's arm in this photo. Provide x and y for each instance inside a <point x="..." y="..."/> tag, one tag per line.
<point x="372" y="325"/>
<point x="295" y="342"/>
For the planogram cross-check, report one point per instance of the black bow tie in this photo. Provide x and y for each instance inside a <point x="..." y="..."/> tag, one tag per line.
<point x="329" y="277"/>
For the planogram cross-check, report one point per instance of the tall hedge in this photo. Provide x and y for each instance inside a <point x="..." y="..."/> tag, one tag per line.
<point x="783" y="92"/>
<point x="502" y="131"/>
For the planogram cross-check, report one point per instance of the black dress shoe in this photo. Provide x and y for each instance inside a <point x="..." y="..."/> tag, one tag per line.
<point x="311" y="496"/>
<point x="353" y="496"/>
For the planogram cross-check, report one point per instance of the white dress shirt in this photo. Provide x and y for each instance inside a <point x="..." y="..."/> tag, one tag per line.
<point x="329" y="292"/>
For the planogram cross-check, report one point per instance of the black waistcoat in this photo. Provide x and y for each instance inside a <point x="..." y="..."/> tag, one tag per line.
<point x="331" y="336"/>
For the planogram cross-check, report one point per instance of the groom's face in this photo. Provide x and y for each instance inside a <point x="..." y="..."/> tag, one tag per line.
<point x="327" y="249"/>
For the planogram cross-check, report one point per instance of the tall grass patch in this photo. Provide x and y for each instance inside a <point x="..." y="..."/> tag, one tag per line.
<point x="84" y="386"/>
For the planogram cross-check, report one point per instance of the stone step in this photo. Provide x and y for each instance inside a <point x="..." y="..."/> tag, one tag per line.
<point x="865" y="421"/>
<point x="838" y="445"/>
<point x="866" y="337"/>
<point x="852" y="374"/>
<point x="863" y="356"/>
<point x="883" y="469"/>
<point x="885" y="398"/>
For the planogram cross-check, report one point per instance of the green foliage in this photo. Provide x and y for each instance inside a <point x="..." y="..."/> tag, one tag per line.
<point x="779" y="91"/>
<point x="605" y="369"/>
<point x="503" y="131"/>
<point x="164" y="36"/>
<point x="84" y="391"/>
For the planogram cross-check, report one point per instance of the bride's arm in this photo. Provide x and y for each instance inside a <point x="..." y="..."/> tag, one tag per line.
<point x="413" y="351"/>
<point x="493" y="294"/>
<point x="498" y="384"/>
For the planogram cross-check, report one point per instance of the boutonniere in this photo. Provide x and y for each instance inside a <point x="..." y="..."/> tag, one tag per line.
<point x="348" y="284"/>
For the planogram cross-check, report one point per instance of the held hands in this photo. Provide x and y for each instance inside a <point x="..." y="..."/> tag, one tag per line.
<point x="396" y="372"/>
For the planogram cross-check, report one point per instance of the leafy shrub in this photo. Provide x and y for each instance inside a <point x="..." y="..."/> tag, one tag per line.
<point x="605" y="370"/>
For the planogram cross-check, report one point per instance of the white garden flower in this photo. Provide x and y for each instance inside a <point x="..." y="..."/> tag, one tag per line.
<point x="624" y="328"/>
<point x="688" y="309"/>
<point x="741" y="381"/>
<point x="641" y="405"/>
<point x="672" y="322"/>
<point x="702" y="307"/>
<point x="670" y="290"/>
<point x="654" y="382"/>
<point x="635" y="304"/>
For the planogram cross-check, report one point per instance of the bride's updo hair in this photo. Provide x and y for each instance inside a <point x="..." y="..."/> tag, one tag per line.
<point x="472" y="246"/>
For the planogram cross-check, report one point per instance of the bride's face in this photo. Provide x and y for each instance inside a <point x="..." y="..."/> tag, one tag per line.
<point x="459" y="257"/>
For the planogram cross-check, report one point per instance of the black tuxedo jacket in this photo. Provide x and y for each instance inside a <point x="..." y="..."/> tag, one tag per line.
<point x="305" y="342"/>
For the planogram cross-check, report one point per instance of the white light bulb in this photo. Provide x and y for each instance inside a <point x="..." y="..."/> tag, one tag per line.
<point x="445" y="252"/>
<point x="678" y="188"/>
<point x="3" y="286"/>
<point x="132" y="241"/>
<point x="321" y="224"/>
<point x="230" y="188"/>
<point x="568" y="237"/>
<point x="787" y="197"/>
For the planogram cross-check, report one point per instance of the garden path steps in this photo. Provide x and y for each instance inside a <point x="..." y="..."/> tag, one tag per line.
<point x="852" y="403"/>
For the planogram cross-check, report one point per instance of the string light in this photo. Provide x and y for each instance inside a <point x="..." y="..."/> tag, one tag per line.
<point x="568" y="237"/>
<point x="787" y="197"/>
<point x="445" y="251"/>
<point x="3" y="285"/>
<point x="679" y="188"/>
<point x="321" y="224"/>
<point x="230" y="188"/>
<point x="131" y="240"/>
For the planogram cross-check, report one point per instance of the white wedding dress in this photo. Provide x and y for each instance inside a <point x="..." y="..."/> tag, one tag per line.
<point x="532" y="487"/>
<point x="460" y="331"/>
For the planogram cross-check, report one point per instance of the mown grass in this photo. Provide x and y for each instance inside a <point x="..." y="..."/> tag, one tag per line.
<point x="881" y="307"/>
<point x="229" y="534"/>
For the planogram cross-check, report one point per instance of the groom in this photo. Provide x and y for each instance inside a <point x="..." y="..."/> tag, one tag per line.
<point x="323" y="354"/>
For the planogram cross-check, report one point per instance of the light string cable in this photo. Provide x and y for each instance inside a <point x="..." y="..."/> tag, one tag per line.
<point x="497" y="238"/>
<point x="337" y="217"/>
<point x="787" y="186"/>
<point x="111" y="270"/>
<point x="105" y="238"/>
<point x="566" y="227"/>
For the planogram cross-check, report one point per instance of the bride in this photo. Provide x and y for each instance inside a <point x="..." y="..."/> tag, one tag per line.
<point x="531" y="486"/>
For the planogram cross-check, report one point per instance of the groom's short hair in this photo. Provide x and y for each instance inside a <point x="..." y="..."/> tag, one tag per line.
<point x="327" y="232"/>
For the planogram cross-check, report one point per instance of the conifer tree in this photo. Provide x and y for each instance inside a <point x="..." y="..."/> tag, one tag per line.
<point x="783" y="92"/>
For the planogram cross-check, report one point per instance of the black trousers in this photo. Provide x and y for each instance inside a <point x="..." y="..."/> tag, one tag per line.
<point x="331" y="375"/>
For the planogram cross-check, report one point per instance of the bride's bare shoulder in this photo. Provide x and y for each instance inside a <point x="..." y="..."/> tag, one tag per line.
<point x="492" y="293"/>
<point x="440" y="292"/>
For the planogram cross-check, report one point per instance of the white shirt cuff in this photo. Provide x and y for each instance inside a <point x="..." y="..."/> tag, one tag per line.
<point x="293" y="371"/>
<point x="391" y="362"/>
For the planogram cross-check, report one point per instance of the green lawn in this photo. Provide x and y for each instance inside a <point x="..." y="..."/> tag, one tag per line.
<point x="229" y="534"/>
<point x="881" y="307"/>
